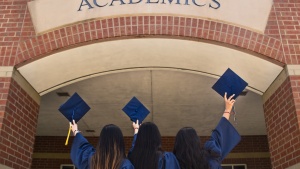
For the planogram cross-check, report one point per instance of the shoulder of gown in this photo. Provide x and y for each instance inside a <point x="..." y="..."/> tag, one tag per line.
<point x="170" y="161"/>
<point x="127" y="164"/>
<point x="81" y="152"/>
<point x="223" y="139"/>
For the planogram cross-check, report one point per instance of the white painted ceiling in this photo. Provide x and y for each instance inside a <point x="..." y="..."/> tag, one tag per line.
<point x="172" y="77"/>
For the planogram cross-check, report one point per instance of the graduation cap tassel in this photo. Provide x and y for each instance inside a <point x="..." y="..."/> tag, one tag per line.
<point x="67" y="140"/>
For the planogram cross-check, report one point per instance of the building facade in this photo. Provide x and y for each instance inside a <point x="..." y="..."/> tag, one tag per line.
<point x="38" y="38"/>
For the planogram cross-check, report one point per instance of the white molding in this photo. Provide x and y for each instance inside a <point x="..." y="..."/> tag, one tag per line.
<point x="6" y="71"/>
<point x="296" y="166"/>
<point x="293" y="70"/>
<point x="4" y="167"/>
<point x="9" y="71"/>
<point x="289" y="70"/>
<point x="275" y="85"/>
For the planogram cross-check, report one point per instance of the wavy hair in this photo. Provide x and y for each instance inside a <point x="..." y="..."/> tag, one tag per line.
<point x="110" y="150"/>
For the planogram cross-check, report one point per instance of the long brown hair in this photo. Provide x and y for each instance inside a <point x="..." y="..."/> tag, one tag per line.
<point x="110" y="151"/>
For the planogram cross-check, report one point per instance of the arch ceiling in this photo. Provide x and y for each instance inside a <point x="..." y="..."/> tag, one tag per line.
<point x="91" y="60"/>
<point x="172" y="77"/>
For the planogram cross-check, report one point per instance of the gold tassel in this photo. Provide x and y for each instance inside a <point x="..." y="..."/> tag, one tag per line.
<point x="68" y="135"/>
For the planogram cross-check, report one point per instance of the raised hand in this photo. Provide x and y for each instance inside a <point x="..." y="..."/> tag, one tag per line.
<point x="136" y="126"/>
<point x="228" y="105"/>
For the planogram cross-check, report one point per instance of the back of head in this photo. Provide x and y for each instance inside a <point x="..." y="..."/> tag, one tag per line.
<point x="147" y="149"/>
<point x="188" y="151"/>
<point x="110" y="150"/>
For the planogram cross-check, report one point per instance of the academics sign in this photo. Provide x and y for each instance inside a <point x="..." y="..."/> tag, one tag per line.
<point x="51" y="14"/>
<point x="213" y="4"/>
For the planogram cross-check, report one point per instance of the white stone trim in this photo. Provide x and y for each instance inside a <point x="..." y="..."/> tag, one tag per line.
<point x="275" y="85"/>
<point x="253" y="14"/>
<point x="293" y="70"/>
<point x="6" y="71"/>
<point x="289" y="70"/>
<point x="9" y="71"/>
<point x="296" y="166"/>
<point x="4" y="166"/>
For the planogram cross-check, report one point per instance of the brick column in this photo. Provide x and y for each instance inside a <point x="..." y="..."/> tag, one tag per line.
<point x="282" y="116"/>
<point x="19" y="106"/>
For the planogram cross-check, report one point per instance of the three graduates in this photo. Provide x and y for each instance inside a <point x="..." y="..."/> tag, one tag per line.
<point x="146" y="151"/>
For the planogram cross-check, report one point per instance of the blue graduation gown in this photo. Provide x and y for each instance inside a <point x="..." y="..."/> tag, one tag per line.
<point x="223" y="139"/>
<point x="170" y="161"/>
<point x="169" y="158"/>
<point x="82" y="151"/>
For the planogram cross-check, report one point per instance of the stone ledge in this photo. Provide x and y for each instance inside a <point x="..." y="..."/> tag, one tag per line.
<point x="289" y="70"/>
<point x="9" y="71"/>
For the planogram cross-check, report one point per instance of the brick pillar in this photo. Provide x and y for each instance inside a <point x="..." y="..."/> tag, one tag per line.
<point x="282" y="116"/>
<point x="19" y="106"/>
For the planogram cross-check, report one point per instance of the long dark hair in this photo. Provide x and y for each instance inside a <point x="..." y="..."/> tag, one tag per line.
<point x="188" y="151"/>
<point x="110" y="150"/>
<point x="147" y="149"/>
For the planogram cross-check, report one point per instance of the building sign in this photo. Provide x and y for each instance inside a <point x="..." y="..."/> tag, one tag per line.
<point x="50" y="14"/>
<point x="213" y="4"/>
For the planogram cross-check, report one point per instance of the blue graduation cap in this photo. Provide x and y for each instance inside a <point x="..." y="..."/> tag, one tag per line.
<point x="136" y="110"/>
<point x="74" y="108"/>
<point x="231" y="83"/>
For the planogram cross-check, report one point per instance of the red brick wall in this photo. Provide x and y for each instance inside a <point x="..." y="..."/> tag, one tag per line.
<point x="15" y="26"/>
<point x="46" y="144"/>
<point x="17" y="36"/>
<point x="95" y="31"/>
<point x="19" y="44"/>
<point x="282" y="120"/>
<point x="18" y="121"/>
<point x="284" y="24"/>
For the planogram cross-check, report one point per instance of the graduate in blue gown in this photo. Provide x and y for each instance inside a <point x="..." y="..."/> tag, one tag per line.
<point x="146" y="151"/>
<point x="223" y="139"/>
<point x="109" y="153"/>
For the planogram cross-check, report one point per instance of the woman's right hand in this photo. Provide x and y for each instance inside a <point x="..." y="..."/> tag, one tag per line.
<point x="228" y="102"/>
<point x="74" y="128"/>
<point x="136" y="126"/>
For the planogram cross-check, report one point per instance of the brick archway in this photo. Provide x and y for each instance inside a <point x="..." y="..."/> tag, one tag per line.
<point x="148" y="26"/>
